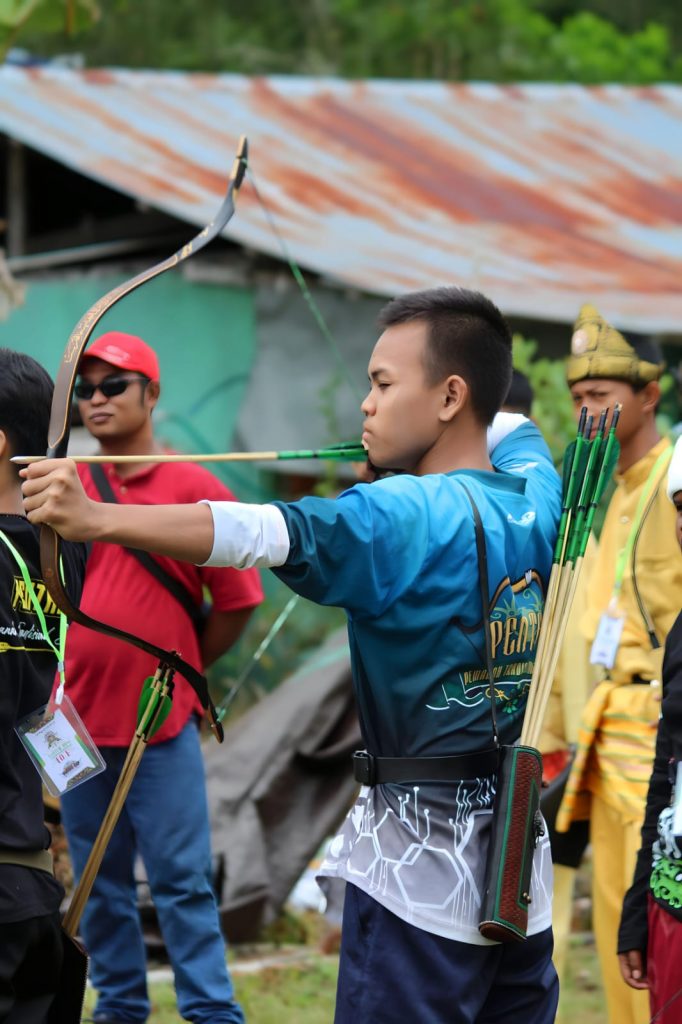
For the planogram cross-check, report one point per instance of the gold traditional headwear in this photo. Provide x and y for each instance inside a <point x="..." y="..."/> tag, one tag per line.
<point x="599" y="350"/>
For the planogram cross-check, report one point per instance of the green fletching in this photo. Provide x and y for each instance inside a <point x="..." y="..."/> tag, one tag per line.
<point x="609" y="458"/>
<point x="575" y="460"/>
<point x="582" y="454"/>
<point x="350" y="451"/>
<point x="302" y="454"/>
<point x="594" y="448"/>
<point x="345" y="446"/>
<point x="608" y="466"/>
<point x="591" y="471"/>
<point x="153" y="708"/>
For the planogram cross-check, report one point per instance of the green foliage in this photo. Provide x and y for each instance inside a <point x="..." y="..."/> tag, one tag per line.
<point x="591" y="50"/>
<point x="495" y="40"/>
<point x="552" y="407"/>
<point x="43" y="16"/>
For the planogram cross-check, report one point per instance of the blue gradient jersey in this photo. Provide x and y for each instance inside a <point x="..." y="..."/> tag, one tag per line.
<point x="400" y="556"/>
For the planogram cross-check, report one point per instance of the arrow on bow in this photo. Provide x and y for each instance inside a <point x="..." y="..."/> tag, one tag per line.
<point x="350" y="451"/>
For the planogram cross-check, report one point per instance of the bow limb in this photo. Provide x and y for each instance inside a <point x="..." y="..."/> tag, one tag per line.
<point x="59" y="429"/>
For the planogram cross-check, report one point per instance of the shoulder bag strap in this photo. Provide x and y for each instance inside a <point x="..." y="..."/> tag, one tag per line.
<point x="99" y="478"/>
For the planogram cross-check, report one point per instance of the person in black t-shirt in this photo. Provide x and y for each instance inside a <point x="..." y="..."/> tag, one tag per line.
<point x="30" y="935"/>
<point x="650" y="934"/>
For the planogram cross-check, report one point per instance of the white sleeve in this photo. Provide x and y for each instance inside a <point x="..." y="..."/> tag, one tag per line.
<point x="247" y="535"/>
<point x="504" y="424"/>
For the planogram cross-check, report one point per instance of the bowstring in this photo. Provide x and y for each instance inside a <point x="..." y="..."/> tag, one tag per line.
<point x="222" y="708"/>
<point x="327" y="334"/>
<point x="297" y="273"/>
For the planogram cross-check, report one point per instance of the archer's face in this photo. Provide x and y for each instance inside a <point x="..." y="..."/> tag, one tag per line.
<point x="402" y="421"/>
<point x="119" y="416"/>
<point x="599" y="393"/>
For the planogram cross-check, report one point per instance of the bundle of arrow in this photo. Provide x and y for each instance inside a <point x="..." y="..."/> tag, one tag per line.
<point x="588" y="465"/>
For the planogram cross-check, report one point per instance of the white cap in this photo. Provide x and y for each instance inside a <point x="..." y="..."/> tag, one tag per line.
<point x="675" y="471"/>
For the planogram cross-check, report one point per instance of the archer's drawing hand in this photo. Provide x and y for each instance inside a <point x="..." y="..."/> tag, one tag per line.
<point x="53" y="494"/>
<point x="632" y="968"/>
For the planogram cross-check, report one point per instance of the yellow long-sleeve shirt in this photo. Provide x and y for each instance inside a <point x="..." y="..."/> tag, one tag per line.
<point x="618" y="732"/>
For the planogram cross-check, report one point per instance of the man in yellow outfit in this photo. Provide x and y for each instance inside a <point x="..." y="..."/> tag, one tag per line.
<point x="633" y="597"/>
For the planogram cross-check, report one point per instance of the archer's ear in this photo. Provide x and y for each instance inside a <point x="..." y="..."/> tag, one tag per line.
<point x="5" y="451"/>
<point x="152" y="392"/>
<point x="455" y="396"/>
<point x="650" y="396"/>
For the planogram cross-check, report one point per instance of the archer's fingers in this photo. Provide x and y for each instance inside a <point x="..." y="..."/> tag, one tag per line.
<point x="46" y="467"/>
<point x="57" y="476"/>
<point x="632" y="969"/>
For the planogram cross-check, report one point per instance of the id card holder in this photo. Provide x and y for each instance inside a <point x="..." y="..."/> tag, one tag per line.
<point x="60" y="747"/>
<point x="677" y="803"/>
<point x="607" y="640"/>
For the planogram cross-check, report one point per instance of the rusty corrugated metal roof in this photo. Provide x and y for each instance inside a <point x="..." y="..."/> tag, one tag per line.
<point x="543" y="196"/>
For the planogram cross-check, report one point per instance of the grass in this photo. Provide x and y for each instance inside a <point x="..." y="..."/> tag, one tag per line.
<point x="303" y="992"/>
<point x="300" y="994"/>
<point x="582" y="997"/>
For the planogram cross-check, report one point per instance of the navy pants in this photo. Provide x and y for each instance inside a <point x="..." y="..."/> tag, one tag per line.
<point x="392" y="973"/>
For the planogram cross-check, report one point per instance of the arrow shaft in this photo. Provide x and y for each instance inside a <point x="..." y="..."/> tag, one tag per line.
<point x="335" y="454"/>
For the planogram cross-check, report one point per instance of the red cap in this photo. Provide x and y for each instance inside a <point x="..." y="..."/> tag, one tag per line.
<point x="124" y="351"/>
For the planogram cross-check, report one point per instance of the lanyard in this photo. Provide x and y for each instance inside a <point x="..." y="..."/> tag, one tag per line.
<point x="30" y="589"/>
<point x="626" y="552"/>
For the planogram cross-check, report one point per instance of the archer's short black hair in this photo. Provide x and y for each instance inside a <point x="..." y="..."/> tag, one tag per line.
<point x="25" y="403"/>
<point x="467" y="335"/>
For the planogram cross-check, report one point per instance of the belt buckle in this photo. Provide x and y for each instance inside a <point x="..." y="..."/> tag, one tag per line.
<point x="364" y="768"/>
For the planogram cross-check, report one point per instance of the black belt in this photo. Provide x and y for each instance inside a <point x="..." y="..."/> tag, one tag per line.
<point x="372" y="771"/>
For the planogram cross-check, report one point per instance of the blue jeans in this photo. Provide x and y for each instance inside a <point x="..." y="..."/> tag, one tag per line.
<point x="165" y="820"/>
<point x="392" y="972"/>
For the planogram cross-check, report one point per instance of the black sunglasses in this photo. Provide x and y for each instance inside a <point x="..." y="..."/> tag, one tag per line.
<point x="109" y="387"/>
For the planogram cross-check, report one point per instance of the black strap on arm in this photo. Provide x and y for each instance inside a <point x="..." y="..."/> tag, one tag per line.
<point x="181" y="595"/>
<point x="485" y="606"/>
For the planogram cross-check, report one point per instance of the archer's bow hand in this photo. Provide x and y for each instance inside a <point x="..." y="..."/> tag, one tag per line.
<point x="53" y="494"/>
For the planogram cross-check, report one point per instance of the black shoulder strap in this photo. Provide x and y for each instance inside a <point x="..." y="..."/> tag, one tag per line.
<point x="485" y="604"/>
<point x="99" y="478"/>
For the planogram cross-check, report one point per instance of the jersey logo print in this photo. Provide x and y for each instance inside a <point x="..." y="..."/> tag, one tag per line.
<point x="515" y="620"/>
<point x="21" y="600"/>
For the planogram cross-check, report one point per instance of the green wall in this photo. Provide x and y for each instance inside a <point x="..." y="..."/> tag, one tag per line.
<point x="204" y="336"/>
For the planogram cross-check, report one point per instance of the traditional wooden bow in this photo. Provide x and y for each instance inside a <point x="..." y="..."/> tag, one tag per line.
<point x="58" y="439"/>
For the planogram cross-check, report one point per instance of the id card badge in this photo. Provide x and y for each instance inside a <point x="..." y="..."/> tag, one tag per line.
<point x="677" y="803"/>
<point x="60" y="747"/>
<point x="607" y="640"/>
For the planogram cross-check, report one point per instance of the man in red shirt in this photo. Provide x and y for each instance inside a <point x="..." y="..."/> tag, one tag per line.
<point x="165" y="819"/>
